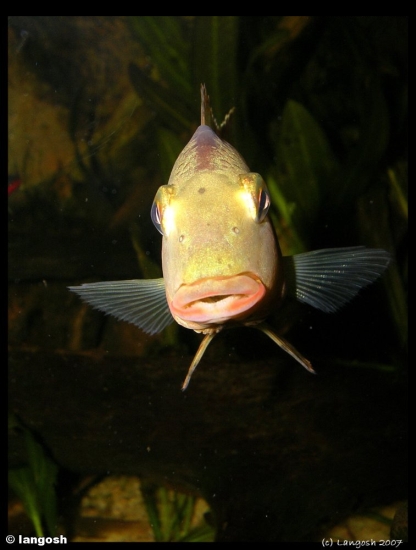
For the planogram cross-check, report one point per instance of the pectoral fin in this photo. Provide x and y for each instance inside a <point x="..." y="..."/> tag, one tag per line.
<point x="329" y="278"/>
<point x="138" y="301"/>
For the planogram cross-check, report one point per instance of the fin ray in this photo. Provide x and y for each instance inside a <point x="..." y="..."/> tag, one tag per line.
<point x="329" y="278"/>
<point x="138" y="301"/>
<point x="198" y="356"/>
<point x="286" y="346"/>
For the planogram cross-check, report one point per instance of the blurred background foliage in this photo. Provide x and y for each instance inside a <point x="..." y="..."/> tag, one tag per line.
<point x="99" y="107"/>
<point x="170" y="515"/>
<point x="320" y="111"/>
<point x="35" y="482"/>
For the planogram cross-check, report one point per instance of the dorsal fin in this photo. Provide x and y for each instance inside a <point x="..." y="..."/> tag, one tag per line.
<point x="206" y="111"/>
<point x="207" y="116"/>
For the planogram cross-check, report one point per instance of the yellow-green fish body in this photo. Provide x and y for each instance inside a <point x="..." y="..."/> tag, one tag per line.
<point x="221" y="260"/>
<point x="220" y="257"/>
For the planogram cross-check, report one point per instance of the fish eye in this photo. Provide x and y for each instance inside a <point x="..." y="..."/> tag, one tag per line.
<point x="263" y="204"/>
<point x="257" y="195"/>
<point x="162" y="212"/>
<point x="156" y="216"/>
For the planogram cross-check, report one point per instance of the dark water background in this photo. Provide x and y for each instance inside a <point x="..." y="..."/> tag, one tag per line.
<point x="99" y="108"/>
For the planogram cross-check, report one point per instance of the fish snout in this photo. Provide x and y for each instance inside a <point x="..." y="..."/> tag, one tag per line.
<point x="216" y="300"/>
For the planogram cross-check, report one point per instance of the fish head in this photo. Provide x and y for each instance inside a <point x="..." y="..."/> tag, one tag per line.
<point x="220" y="257"/>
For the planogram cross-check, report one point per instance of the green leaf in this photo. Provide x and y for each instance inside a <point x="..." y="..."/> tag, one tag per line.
<point x="305" y="166"/>
<point x="45" y="472"/>
<point x="289" y="240"/>
<point x="363" y="160"/>
<point x="215" y="60"/>
<point x="173" y="110"/>
<point x="35" y="486"/>
<point x="166" y="513"/>
<point x="22" y="482"/>
<point x="169" y="148"/>
<point x="170" y="514"/>
<point x="163" y="38"/>
<point x="373" y="217"/>
<point x="398" y="184"/>
<point x="204" y="533"/>
<point x="149" y="497"/>
<point x="269" y="47"/>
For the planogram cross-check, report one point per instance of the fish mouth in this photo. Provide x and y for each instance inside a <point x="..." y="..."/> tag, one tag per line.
<point x="217" y="299"/>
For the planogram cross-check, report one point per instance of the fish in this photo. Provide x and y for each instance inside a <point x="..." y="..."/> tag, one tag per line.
<point x="221" y="260"/>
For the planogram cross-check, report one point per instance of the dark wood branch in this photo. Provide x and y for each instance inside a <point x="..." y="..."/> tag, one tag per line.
<point x="275" y="451"/>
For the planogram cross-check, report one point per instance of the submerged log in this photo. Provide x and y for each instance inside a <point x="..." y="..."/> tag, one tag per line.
<point x="276" y="452"/>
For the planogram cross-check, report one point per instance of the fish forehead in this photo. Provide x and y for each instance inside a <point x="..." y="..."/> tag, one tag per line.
<point x="209" y="196"/>
<point x="206" y="152"/>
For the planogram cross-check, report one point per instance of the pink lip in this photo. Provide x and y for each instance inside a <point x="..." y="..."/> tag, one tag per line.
<point x="217" y="299"/>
